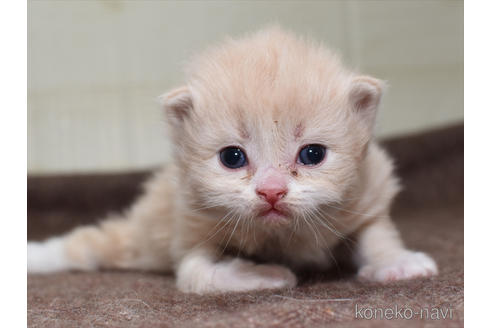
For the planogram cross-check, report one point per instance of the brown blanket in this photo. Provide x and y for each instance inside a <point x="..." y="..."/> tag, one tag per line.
<point x="429" y="213"/>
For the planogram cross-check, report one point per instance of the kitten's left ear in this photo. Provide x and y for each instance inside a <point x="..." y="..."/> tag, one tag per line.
<point x="364" y="96"/>
<point x="177" y="105"/>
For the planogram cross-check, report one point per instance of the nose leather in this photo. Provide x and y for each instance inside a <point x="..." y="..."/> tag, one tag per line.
<point x="272" y="195"/>
<point x="272" y="186"/>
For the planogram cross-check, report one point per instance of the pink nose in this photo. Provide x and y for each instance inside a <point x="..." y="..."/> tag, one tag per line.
<point x="271" y="185"/>
<point x="272" y="194"/>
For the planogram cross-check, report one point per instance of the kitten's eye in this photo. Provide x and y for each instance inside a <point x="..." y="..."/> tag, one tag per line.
<point x="312" y="154"/>
<point x="233" y="157"/>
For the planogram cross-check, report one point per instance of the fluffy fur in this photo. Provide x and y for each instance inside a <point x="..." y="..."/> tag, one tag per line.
<point x="269" y="93"/>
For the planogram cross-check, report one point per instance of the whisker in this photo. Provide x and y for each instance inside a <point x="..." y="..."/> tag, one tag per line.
<point x="311" y="227"/>
<point x="315" y="217"/>
<point x="243" y="236"/>
<point x="316" y="221"/>
<point x="322" y="220"/>
<point x="349" y="242"/>
<point x="224" y="218"/>
<point x="231" y="235"/>
<point x="254" y="231"/>
<point x="329" y="205"/>
<point x="294" y="230"/>
<point x="230" y="220"/>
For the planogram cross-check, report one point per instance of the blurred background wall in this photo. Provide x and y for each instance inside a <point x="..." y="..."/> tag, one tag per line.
<point x="95" y="68"/>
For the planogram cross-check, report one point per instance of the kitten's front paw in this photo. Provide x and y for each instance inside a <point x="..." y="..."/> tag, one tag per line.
<point x="406" y="266"/>
<point x="237" y="276"/>
<point x="269" y="276"/>
<point x="241" y="275"/>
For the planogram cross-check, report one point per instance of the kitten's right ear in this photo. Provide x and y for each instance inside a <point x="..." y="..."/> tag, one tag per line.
<point x="177" y="105"/>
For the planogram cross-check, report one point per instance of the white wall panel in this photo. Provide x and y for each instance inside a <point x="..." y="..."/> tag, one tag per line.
<point x="96" y="67"/>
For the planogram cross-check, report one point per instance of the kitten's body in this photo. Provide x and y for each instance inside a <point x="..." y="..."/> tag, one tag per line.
<point x="270" y="94"/>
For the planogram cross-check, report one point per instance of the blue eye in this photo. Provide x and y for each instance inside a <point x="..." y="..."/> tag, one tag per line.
<point x="312" y="154"/>
<point x="233" y="157"/>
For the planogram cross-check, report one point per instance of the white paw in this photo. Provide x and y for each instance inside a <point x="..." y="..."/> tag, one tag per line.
<point x="240" y="275"/>
<point x="237" y="276"/>
<point x="47" y="256"/>
<point x="406" y="266"/>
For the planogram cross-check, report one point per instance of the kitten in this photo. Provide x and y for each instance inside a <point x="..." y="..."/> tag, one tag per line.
<point x="274" y="158"/>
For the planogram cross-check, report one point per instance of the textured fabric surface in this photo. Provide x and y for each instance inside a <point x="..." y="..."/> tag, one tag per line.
<point x="428" y="212"/>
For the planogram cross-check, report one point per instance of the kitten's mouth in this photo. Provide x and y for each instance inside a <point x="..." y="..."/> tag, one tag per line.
<point x="274" y="215"/>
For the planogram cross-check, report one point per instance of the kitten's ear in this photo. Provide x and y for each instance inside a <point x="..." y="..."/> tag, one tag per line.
<point x="177" y="105"/>
<point x="365" y="95"/>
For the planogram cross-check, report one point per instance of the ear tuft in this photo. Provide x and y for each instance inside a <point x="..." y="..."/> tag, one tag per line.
<point x="177" y="104"/>
<point x="365" y="95"/>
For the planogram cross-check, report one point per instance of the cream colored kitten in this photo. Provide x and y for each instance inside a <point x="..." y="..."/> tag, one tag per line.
<point x="274" y="159"/>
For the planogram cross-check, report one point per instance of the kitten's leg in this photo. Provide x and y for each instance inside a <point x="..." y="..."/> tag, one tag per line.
<point x="200" y="272"/>
<point x="384" y="258"/>
<point x="114" y="243"/>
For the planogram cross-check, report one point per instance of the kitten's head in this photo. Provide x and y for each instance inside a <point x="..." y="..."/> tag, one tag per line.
<point x="270" y="127"/>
